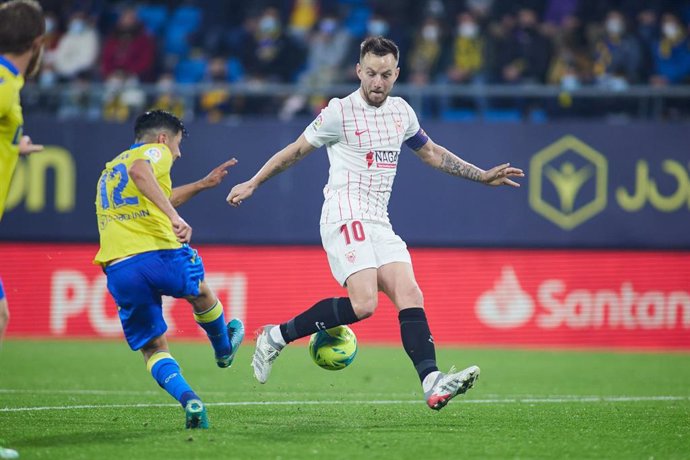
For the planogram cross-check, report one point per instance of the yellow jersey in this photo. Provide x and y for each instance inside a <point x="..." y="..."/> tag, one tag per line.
<point x="128" y="222"/>
<point x="11" y="123"/>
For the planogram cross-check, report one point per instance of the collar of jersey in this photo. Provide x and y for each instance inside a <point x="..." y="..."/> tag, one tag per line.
<point x="364" y="103"/>
<point x="134" y="146"/>
<point x="6" y="63"/>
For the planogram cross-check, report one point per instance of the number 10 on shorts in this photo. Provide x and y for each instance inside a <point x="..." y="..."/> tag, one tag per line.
<point x="355" y="228"/>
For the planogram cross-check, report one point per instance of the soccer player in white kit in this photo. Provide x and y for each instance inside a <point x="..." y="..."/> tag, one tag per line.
<point x="363" y="134"/>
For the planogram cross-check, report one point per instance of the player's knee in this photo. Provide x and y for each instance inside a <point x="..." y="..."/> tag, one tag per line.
<point x="365" y="308"/>
<point x="204" y="300"/>
<point x="410" y="297"/>
<point x="154" y="346"/>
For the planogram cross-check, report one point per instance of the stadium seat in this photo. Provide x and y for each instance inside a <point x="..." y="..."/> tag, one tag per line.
<point x="188" y="17"/>
<point x="190" y="70"/>
<point x="176" y="40"/>
<point x="538" y="116"/>
<point x="235" y="70"/>
<point x="502" y="116"/>
<point x="459" y="115"/>
<point x="356" y="21"/>
<point x="153" y="17"/>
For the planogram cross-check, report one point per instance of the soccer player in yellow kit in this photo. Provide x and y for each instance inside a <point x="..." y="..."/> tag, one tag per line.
<point x="21" y="45"/>
<point x="145" y="254"/>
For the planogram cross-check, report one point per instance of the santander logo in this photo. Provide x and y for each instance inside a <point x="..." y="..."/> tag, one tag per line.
<point x="507" y="305"/>
<point x="556" y="305"/>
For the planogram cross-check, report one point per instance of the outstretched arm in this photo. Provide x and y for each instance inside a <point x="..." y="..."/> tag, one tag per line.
<point x="278" y="163"/>
<point x="142" y="174"/>
<point x="184" y="193"/>
<point x="444" y="160"/>
<point x="26" y="146"/>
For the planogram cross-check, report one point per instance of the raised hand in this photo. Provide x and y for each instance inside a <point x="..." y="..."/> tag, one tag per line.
<point x="500" y="175"/>
<point x="26" y="146"/>
<point x="216" y="176"/>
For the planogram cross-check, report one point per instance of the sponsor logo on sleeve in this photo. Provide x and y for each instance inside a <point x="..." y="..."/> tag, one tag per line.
<point x="154" y="154"/>
<point x="316" y="124"/>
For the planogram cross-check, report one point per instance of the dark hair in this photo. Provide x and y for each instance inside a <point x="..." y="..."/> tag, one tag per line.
<point x="380" y="46"/>
<point x="156" y="120"/>
<point x="21" y="22"/>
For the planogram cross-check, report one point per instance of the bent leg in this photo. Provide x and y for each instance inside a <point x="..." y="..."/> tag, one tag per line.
<point x="165" y="370"/>
<point x="209" y="315"/>
<point x="397" y="281"/>
<point x="334" y="311"/>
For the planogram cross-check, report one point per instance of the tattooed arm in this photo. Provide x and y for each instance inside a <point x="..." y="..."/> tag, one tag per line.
<point x="278" y="163"/>
<point x="444" y="160"/>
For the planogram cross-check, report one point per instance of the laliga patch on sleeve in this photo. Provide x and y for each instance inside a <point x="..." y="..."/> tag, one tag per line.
<point x="154" y="154"/>
<point x="318" y="122"/>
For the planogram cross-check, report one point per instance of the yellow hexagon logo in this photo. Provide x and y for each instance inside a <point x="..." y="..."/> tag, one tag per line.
<point x="568" y="182"/>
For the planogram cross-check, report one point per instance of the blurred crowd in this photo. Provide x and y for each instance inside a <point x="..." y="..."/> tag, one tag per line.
<point x="610" y="44"/>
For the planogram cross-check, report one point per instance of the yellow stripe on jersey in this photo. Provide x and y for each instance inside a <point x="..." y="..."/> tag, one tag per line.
<point x="128" y="222"/>
<point x="11" y="121"/>
<point x="155" y="358"/>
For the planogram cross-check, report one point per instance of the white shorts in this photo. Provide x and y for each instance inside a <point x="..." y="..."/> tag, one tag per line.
<point x="355" y="245"/>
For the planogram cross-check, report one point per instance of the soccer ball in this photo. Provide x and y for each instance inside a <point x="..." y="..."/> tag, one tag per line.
<point x="334" y="348"/>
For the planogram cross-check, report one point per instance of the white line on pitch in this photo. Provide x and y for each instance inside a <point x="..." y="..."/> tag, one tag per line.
<point x="588" y="399"/>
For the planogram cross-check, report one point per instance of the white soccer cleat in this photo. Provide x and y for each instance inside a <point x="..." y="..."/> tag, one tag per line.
<point x="447" y="386"/>
<point x="265" y="353"/>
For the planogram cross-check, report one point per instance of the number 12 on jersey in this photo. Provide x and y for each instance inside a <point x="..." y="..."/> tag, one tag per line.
<point x="119" y="174"/>
<point x="357" y="231"/>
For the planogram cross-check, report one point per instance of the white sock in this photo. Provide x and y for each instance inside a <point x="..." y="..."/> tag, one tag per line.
<point x="277" y="336"/>
<point x="429" y="380"/>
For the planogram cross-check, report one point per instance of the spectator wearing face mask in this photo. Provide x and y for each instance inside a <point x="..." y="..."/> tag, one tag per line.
<point x="465" y="63"/>
<point x="78" y="48"/>
<point x="328" y="44"/>
<point x="571" y="64"/>
<point x="377" y="25"/>
<point x="618" y="55"/>
<point x="424" y="61"/>
<point x="215" y="102"/>
<point x="671" y="53"/>
<point x="467" y="59"/>
<point x="270" y="55"/>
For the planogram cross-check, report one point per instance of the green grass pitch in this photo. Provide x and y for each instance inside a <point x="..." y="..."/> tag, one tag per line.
<point x="94" y="400"/>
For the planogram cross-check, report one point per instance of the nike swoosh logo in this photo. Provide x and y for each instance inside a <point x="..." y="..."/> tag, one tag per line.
<point x="359" y="133"/>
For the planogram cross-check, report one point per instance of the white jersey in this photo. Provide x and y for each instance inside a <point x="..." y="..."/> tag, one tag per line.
<point x="363" y="144"/>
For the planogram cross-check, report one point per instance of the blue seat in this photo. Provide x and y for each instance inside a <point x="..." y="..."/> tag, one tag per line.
<point x="188" y="17"/>
<point x="235" y="70"/>
<point x="356" y="21"/>
<point x="176" y="40"/>
<point x="459" y="115"/>
<point x="153" y="17"/>
<point x="502" y="116"/>
<point x="190" y="70"/>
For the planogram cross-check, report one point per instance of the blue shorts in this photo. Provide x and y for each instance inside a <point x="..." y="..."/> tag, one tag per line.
<point x="137" y="284"/>
<point x="2" y="290"/>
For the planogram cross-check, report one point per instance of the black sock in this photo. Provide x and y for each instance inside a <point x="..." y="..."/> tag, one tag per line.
<point x="325" y="314"/>
<point x="417" y="340"/>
